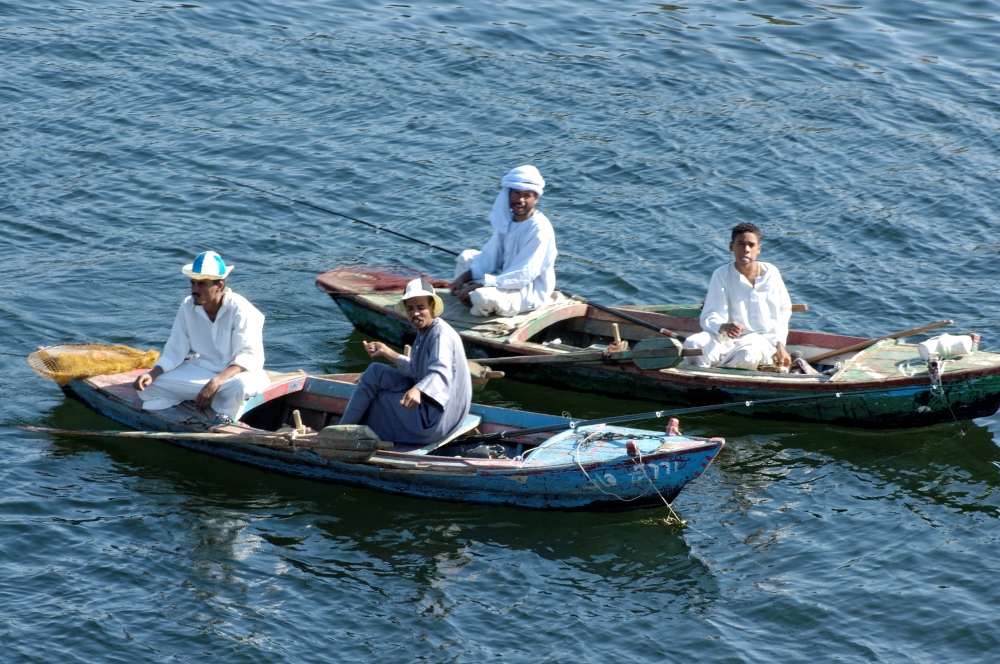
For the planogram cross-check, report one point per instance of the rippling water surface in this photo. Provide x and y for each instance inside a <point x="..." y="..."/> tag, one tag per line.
<point x="862" y="138"/>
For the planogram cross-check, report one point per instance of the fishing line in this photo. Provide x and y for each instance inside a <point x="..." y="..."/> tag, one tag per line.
<point x="328" y="211"/>
<point x="661" y="414"/>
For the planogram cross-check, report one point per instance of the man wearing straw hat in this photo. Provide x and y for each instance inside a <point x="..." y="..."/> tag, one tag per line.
<point x="226" y="334"/>
<point x="515" y="271"/>
<point x="427" y="396"/>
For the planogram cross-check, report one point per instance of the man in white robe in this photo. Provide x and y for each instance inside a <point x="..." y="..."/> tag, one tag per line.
<point x="225" y="333"/>
<point x="427" y="395"/>
<point x="746" y="312"/>
<point x="515" y="271"/>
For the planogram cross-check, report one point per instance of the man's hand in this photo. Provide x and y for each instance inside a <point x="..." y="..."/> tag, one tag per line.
<point x="411" y="399"/>
<point x="378" y="349"/>
<point x="146" y="379"/>
<point x="463" y="295"/>
<point x="460" y="281"/>
<point x="731" y="330"/>
<point x="204" y="399"/>
<point x="781" y="357"/>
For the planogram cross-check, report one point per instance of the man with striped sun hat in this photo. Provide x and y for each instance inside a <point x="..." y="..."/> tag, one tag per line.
<point x="226" y="334"/>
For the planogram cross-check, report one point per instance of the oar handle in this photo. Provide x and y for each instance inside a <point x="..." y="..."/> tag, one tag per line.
<point x="632" y="319"/>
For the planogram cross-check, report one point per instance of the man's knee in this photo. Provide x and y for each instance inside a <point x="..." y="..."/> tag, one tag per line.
<point x="745" y="358"/>
<point x="489" y="301"/>
<point x="699" y="340"/>
<point x="464" y="262"/>
<point x="383" y="378"/>
<point x="375" y="373"/>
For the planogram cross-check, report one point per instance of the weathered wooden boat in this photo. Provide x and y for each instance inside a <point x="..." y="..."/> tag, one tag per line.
<point x="883" y="386"/>
<point x="585" y="468"/>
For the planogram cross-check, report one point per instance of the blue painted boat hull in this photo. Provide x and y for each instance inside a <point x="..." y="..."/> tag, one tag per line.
<point x="581" y="469"/>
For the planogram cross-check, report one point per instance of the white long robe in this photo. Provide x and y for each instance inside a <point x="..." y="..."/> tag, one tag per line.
<point x="516" y="268"/>
<point x="763" y="309"/>
<point x="236" y="337"/>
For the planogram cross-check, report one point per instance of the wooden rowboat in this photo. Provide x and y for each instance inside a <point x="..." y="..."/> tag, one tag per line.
<point x="585" y="468"/>
<point x="883" y="386"/>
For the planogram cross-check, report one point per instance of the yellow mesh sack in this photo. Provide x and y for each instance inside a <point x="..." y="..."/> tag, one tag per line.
<point x="71" y="361"/>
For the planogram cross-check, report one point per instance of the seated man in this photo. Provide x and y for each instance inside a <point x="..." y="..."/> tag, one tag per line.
<point x="225" y="332"/>
<point x="427" y="396"/>
<point x="746" y="311"/>
<point x="514" y="272"/>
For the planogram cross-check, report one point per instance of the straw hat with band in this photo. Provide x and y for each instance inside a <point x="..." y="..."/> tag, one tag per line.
<point x="208" y="265"/>
<point x="419" y="288"/>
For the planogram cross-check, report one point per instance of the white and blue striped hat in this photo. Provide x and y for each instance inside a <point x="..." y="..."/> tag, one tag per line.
<point x="208" y="265"/>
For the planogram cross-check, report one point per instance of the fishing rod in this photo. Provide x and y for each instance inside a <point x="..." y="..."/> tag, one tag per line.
<point x="334" y="212"/>
<point x="614" y="312"/>
<point x="652" y="415"/>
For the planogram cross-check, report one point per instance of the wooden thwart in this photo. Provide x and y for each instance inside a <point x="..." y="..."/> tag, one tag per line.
<point x="871" y="342"/>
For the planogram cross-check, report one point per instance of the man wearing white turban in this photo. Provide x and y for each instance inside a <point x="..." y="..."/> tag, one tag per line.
<point x="515" y="271"/>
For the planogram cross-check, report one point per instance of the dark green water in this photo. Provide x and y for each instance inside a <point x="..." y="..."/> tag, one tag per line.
<point x="862" y="138"/>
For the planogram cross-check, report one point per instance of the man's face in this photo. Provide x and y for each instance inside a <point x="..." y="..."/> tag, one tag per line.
<point x="745" y="248"/>
<point x="420" y="311"/>
<point x="204" y="291"/>
<point x="522" y="203"/>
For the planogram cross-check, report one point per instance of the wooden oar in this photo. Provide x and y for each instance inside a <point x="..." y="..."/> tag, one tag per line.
<point x="347" y="443"/>
<point x="615" y="312"/>
<point x="262" y="439"/>
<point x="647" y="354"/>
<point x="868" y="344"/>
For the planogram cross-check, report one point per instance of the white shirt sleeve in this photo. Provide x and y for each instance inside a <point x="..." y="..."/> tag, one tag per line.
<point x="178" y="343"/>
<point x="526" y="266"/>
<point x="248" y="340"/>
<point x="715" y="312"/>
<point x="784" y="307"/>
<point x="403" y="365"/>
<point x="489" y="259"/>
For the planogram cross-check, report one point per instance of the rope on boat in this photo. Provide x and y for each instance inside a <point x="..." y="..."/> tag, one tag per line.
<point x="674" y="520"/>
<point x="935" y="369"/>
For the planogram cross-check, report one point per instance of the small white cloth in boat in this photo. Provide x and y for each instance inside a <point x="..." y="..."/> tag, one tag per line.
<point x="945" y="346"/>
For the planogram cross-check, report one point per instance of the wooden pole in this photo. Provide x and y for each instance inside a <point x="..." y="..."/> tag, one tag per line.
<point x="632" y="319"/>
<point x="871" y="342"/>
<point x="595" y="356"/>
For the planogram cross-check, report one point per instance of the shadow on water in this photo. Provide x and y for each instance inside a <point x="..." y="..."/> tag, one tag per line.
<point x="330" y="530"/>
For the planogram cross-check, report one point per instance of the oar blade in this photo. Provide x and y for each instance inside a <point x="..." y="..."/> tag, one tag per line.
<point x="671" y="348"/>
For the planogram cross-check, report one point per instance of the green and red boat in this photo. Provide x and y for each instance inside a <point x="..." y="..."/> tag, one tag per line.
<point x="885" y="385"/>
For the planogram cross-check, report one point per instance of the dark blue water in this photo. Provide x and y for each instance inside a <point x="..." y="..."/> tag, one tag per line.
<point x="863" y="139"/>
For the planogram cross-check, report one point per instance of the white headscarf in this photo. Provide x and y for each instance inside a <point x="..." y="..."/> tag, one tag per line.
<point x="522" y="178"/>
